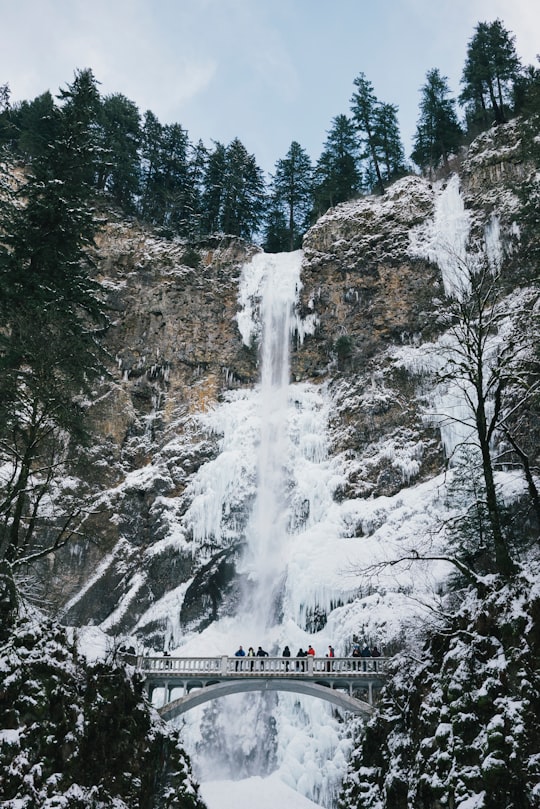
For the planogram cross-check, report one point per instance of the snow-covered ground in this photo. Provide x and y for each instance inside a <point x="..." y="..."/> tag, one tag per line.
<point x="264" y="793"/>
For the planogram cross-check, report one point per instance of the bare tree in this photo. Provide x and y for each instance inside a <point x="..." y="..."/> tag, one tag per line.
<point x="490" y="358"/>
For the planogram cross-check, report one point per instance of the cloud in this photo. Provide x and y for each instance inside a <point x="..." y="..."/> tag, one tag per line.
<point x="127" y="44"/>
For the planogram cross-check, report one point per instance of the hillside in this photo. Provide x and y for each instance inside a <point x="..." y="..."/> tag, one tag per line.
<point x="373" y="470"/>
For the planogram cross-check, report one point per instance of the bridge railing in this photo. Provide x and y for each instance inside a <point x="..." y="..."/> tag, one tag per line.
<point x="225" y="666"/>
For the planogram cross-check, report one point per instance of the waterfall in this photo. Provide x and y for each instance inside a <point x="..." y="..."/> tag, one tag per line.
<point x="264" y="559"/>
<point x="272" y="463"/>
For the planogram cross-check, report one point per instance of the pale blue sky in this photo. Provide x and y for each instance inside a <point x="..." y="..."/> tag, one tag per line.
<point x="266" y="71"/>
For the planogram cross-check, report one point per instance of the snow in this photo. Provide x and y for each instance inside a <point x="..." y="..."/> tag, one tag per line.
<point x="92" y="642"/>
<point x="443" y="240"/>
<point x="264" y="793"/>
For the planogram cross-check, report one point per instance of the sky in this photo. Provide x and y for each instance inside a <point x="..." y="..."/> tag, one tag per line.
<point x="266" y="71"/>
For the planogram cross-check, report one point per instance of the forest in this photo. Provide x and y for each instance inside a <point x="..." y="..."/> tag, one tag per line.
<point x="154" y="172"/>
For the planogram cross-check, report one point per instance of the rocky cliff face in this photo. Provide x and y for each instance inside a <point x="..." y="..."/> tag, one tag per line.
<point x="175" y="348"/>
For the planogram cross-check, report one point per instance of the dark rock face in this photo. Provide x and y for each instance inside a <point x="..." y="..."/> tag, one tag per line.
<point x="214" y="592"/>
<point x="360" y="282"/>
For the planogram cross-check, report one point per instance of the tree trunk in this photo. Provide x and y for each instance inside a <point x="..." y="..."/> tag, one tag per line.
<point x="503" y="561"/>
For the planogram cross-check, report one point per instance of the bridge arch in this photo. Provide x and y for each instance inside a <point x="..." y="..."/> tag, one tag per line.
<point x="199" y="696"/>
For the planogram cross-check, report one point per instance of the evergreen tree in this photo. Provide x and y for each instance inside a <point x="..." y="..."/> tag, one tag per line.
<point x="4" y="97"/>
<point x="212" y="199"/>
<point x="150" y="207"/>
<point x="388" y="144"/>
<point x="527" y="91"/>
<point x="5" y="114"/>
<point x="292" y="192"/>
<point x="197" y="169"/>
<point x="243" y="192"/>
<point x="119" y="164"/>
<point x="170" y="188"/>
<point x="364" y="108"/>
<point x="28" y="128"/>
<point x="437" y="132"/>
<point x="491" y="69"/>
<point x="175" y="180"/>
<point x="276" y="238"/>
<point x="337" y="177"/>
<point x="50" y="316"/>
<point x="233" y="200"/>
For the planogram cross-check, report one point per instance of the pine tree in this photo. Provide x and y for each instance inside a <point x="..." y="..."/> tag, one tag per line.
<point x="175" y="180"/>
<point x="51" y="316"/>
<point x="527" y="91"/>
<point x="169" y="186"/>
<point x="337" y="176"/>
<point x="28" y="128"/>
<point x="276" y="238"/>
<point x="292" y="191"/>
<point x="491" y="69"/>
<point x="364" y="108"/>
<point x="243" y="192"/>
<point x="212" y="199"/>
<point x="197" y="168"/>
<point x="150" y="208"/>
<point x="438" y="132"/>
<point x="388" y="144"/>
<point x="118" y="171"/>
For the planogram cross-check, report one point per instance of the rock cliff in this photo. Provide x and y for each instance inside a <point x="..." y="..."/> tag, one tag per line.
<point x="175" y="348"/>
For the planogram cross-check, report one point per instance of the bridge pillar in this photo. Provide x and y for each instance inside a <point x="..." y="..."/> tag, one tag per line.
<point x="224" y="665"/>
<point x="310" y="664"/>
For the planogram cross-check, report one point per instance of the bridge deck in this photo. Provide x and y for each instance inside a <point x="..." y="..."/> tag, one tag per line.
<point x="222" y="668"/>
<point x="353" y="675"/>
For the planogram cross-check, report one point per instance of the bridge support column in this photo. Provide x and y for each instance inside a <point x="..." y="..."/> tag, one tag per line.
<point x="224" y="665"/>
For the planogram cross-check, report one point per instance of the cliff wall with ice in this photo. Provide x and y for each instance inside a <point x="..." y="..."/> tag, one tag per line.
<point x="171" y="472"/>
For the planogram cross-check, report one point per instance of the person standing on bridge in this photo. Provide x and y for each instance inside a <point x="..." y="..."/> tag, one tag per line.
<point x="239" y="653"/>
<point x="330" y="654"/>
<point x="251" y="653"/>
<point x="365" y="653"/>
<point x="261" y="653"/>
<point x="286" y="653"/>
<point x="310" y="651"/>
<point x="300" y="653"/>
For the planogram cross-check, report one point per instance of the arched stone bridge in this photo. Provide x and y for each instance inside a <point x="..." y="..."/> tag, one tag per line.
<point x="350" y="683"/>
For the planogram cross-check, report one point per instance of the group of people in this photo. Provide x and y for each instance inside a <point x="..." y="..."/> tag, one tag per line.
<point x="240" y="652"/>
<point x="357" y="652"/>
<point x="300" y="665"/>
<point x="364" y="653"/>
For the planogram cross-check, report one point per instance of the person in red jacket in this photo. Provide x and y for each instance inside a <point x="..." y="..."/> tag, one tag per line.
<point x="310" y="651"/>
<point x="330" y="654"/>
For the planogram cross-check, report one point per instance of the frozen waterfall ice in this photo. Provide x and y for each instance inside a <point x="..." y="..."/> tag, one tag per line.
<point x="264" y="558"/>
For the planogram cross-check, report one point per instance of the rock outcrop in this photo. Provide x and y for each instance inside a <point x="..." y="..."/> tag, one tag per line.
<point x="176" y="348"/>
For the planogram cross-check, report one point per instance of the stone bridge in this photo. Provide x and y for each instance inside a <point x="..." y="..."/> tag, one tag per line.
<point x="348" y="682"/>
